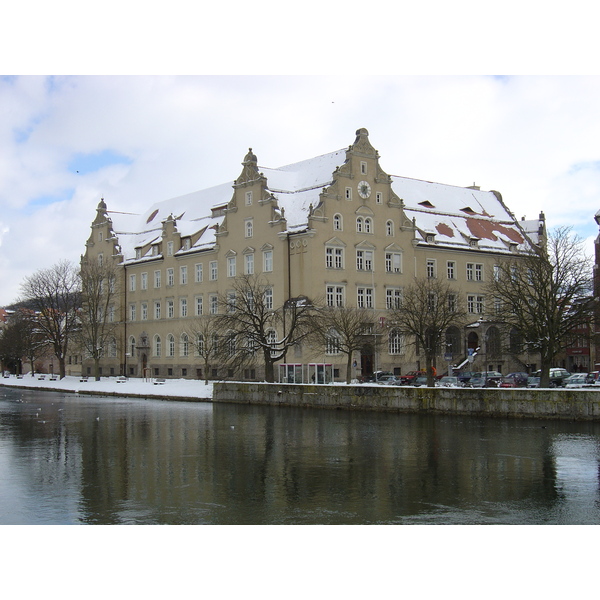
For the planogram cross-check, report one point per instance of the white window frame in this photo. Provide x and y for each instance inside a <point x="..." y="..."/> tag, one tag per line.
<point x="157" y="279"/>
<point x="268" y="261"/>
<point x="393" y="262"/>
<point x="365" y="297"/>
<point x="132" y="279"/>
<point x="214" y="270"/>
<point x="183" y="275"/>
<point x="451" y="269"/>
<point x="198" y="272"/>
<point x="430" y="268"/>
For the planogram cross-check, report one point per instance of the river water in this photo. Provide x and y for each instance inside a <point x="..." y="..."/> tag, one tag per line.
<point x="66" y="459"/>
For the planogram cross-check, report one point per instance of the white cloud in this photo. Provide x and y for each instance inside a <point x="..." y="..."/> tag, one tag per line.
<point x="534" y="139"/>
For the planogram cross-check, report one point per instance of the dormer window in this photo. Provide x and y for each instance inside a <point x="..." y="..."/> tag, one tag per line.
<point x="138" y="253"/>
<point x="430" y="238"/>
<point x="473" y="243"/>
<point x="186" y="244"/>
<point x="426" y="204"/>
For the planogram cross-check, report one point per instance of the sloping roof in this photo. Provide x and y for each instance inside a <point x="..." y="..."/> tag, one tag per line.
<point x="457" y="215"/>
<point x="454" y="215"/>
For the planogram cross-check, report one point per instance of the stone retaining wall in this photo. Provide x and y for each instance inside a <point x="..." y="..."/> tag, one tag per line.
<point x="573" y="404"/>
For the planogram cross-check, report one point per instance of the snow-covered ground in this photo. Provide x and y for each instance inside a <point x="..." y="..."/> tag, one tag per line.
<point x="171" y="388"/>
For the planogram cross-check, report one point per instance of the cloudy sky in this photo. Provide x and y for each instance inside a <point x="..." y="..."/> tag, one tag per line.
<point x="68" y="141"/>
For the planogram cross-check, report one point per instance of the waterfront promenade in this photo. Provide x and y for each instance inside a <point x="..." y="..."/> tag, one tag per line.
<point x="557" y="403"/>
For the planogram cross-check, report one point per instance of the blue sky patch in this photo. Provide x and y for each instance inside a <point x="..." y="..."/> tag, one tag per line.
<point x="88" y="163"/>
<point x="42" y="201"/>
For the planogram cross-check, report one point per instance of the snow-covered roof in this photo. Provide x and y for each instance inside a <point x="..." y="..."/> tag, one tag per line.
<point x="456" y="216"/>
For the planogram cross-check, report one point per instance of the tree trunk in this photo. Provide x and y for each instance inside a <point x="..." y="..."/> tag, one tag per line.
<point x="349" y="368"/>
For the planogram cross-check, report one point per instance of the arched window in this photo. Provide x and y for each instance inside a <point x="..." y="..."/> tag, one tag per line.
<point x="516" y="341"/>
<point x="170" y="345"/>
<point x="184" y="345"/>
<point x="493" y="342"/>
<point x="389" y="228"/>
<point x="200" y="344"/>
<point x="368" y="225"/>
<point x="395" y="342"/>
<point x="112" y="348"/>
<point x="131" y="346"/>
<point x="157" y="345"/>
<point x="231" y="343"/>
<point x="215" y="343"/>
<point x="473" y="341"/>
<point x="359" y="224"/>
<point x="337" y="222"/>
<point x="452" y="341"/>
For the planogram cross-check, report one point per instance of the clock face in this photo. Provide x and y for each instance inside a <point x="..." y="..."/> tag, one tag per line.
<point x="364" y="189"/>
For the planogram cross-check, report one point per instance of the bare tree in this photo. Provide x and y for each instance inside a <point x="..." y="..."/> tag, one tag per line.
<point x="428" y="308"/>
<point x="97" y="321"/>
<point x="249" y="318"/>
<point x="55" y="295"/>
<point x="341" y="329"/>
<point x="215" y="349"/>
<point x="22" y="339"/>
<point x="546" y="295"/>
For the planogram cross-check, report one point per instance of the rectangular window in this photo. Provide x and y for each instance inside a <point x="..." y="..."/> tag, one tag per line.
<point x="213" y="270"/>
<point x="183" y="307"/>
<point x="496" y="274"/>
<point x="170" y="309"/>
<point x="157" y="310"/>
<point x="335" y="295"/>
<point x="364" y="260"/>
<point x="348" y="193"/>
<point x="198" y="306"/>
<point x="169" y="248"/>
<point x="144" y="282"/>
<point x="214" y="304"/>
<point x="452" y="302"/>
<point x="363" y="167"/>
<point x="132" y="315"/>
<point x="182" y="275"/>
<point x="231" y="266"/>
<point x="334" y="258"/>
<point x="156" y="279"/>
<point x="111" y="314"/>
<point x="451" y="268"/>
<point x="475" y="304"/>
<point x="170" y="277"/>
<point x="199" y="273"/>
<point x="393" y="262"/>
<point x="268" y="261"/>
<point x="364" y="297"/>
<point x="269" y="298"/>
<point x="379" y="197"/>
<point x="393" y="298"/>
<point x="249" y="264"/>
<point x="474" y="272"/>
<point x="144" y="314"/>
<point x="132" y="283"/>
<point x="430" y="268"/>
<point x="248" y="198"/>
<point x="231" y="301"/>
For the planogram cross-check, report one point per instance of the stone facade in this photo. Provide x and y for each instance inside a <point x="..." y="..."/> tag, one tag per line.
<point x="336" y="227"/>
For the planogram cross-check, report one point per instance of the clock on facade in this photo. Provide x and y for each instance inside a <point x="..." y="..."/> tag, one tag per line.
<point x="364" y="189"/>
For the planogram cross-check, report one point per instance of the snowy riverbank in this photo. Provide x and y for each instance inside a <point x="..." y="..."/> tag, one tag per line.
<point x="171" y="388"/>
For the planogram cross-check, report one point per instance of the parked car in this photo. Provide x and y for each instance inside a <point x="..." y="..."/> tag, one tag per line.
<point x="557" y="376"/>
<point x="476" y="382"/>
<point x="387" y="379"/>
<point x="465" y="376"/>
<point x="410" y="377"/>
<point x="577" y="380"/>
<point x="514" y="380"/>
<point x="491" y="378"/>
<point x="533" y="382"/>
<point x="593" y="378"/>
<point x="378" y="375"/>
<point x="419" y="381"/>
<point x="448" y="381"/>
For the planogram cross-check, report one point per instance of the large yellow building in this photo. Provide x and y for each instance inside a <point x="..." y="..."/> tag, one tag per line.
<point x="336" y="227"/>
